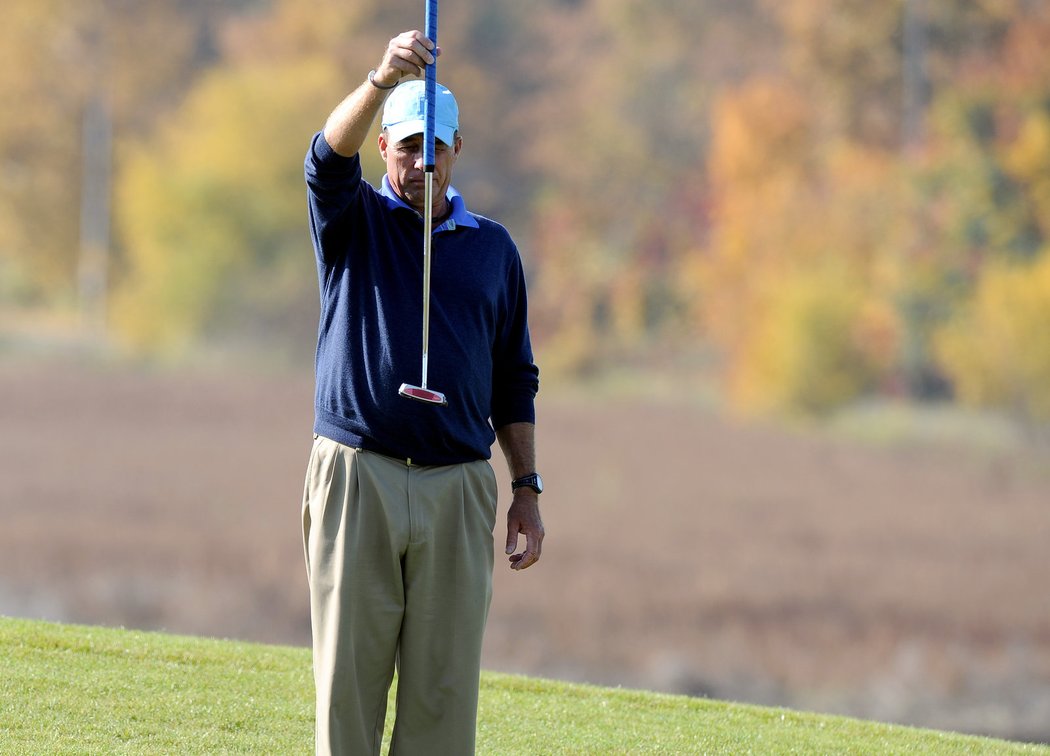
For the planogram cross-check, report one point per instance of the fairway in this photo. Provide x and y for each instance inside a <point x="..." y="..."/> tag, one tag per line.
<point x="67" y="689"/>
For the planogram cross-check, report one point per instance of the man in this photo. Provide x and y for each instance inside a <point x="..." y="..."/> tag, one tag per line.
<point x="400" y="500"/>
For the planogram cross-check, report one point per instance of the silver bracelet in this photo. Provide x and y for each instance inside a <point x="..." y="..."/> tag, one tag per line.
<point x="376" y="84"/>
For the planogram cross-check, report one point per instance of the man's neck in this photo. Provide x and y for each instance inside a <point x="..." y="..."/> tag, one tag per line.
<point x="442" y="209"/>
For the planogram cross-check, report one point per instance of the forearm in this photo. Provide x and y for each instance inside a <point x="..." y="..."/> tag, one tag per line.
<point x="348" y="125"/>
<point x="518" y="442"/>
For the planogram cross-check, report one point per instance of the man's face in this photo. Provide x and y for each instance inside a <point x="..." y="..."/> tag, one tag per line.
<point x="404" y="168"/>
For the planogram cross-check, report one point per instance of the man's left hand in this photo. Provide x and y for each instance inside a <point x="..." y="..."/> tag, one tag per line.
<point x="523" y="518"/>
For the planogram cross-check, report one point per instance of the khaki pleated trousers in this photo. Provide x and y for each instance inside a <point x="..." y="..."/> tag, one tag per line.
<point x="399" y="560"/>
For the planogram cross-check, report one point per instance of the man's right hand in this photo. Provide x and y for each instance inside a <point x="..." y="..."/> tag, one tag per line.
<point x="406" y="55"/>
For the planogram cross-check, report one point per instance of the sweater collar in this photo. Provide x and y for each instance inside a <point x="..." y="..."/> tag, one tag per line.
<point x="458" y="217"/>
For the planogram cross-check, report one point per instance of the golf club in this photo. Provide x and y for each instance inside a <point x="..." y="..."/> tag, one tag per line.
<point x="421" y="392"/>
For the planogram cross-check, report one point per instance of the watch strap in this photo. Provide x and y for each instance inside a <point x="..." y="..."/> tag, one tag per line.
<point x="532" y="480"/>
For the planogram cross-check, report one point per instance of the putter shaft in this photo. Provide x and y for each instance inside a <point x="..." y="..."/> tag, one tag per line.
<point x="428" y="223"/>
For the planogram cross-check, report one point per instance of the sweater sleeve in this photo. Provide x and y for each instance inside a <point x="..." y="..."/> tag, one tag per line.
<point x="333" y="184"/>
<point x="515" y="380"/>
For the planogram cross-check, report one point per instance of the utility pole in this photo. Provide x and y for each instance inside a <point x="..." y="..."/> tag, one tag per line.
<point x="96" y="181"/>
<point x="915" y="95"/>
<point x="915" y="85"/>
<point x="95" y="209"/>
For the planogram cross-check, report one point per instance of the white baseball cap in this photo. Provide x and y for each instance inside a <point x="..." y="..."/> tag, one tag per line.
<point x="403" y="112"/>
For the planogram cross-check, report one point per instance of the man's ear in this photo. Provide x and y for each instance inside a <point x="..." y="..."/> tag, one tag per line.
<point x="382" y="145"/>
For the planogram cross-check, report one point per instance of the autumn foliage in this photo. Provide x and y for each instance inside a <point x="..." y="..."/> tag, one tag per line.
<point x="835" y="199"/>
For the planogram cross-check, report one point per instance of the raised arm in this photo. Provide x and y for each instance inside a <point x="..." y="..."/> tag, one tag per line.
<point x="347" y="127"/>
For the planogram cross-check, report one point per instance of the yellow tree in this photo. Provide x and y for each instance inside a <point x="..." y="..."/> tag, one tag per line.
<point x="996" y="350"/>
<point x="618" y="139"/>
<point x="212" y="210"/>
<point x="994" y="347"/>
<point x="976" y="191"/>
<point x="794" y="284"/>
<point x="56" y="58"/>
<point x="833" y="256"/>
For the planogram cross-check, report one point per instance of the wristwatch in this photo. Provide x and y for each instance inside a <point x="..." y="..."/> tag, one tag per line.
<point x="533" y="481"/>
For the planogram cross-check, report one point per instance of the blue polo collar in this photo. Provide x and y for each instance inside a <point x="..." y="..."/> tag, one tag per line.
<point x="458" y="217"/>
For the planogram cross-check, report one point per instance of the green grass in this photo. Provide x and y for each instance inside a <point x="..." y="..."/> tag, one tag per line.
<point x="68" y="689"/>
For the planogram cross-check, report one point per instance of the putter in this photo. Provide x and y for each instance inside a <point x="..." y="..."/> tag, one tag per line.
<point x="421" y="393"/>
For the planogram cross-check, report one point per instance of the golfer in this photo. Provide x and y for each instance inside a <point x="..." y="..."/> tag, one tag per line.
<point x="399" y="504"/>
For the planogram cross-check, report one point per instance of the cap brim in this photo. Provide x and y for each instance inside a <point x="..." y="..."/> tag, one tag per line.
<point x="398" y="131"/>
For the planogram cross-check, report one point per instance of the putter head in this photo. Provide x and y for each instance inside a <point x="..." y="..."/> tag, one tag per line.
<point x="420" y="394"/>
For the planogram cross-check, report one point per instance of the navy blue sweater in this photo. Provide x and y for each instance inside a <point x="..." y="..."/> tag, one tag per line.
<point x="369" y="248"/>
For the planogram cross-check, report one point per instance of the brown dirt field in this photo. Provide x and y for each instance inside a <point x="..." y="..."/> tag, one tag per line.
<point x="685" y="552"/>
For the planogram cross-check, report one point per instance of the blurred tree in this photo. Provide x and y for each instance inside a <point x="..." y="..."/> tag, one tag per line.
<point x="37" y="244"/>
<point x="56" y="58"/>
<point x="728" y="172"/>
<point x="974" y="192"/>
<point x="866" y="62"/>
<point x="962" y="210"/>
<point x="211" y="205"/>
<point x="848" y="55"/>
<point x="997" y="351"/>
<point x="799" y="306"/>
<point x="800" y="183"/>
<point x="212" y="213"/>
<point x="618" y="139"/>
<point x="807" y="355"/>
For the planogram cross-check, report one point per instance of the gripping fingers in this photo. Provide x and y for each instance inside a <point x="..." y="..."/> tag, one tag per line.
<point x="525" y="559"/>
<point x="533" y="544"/>
<point x="410" y="52"/>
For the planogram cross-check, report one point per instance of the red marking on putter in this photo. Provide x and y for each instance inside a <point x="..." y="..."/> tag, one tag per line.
<point x="422" y="394"/>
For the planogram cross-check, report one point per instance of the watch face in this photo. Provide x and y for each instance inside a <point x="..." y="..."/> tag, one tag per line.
<point x="534" y="481"/>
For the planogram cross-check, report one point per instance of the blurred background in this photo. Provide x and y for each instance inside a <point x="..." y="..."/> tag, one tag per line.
<point x="789" y="269"/>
